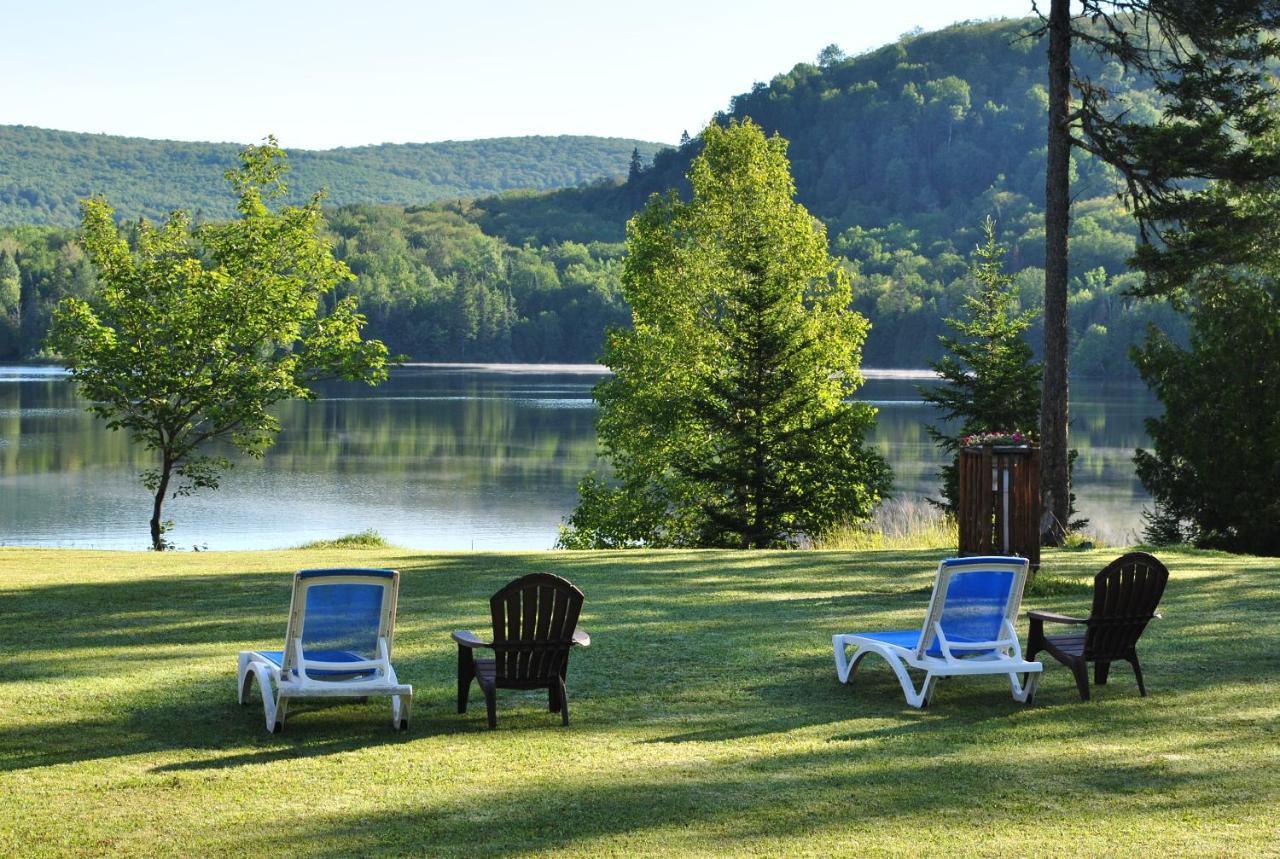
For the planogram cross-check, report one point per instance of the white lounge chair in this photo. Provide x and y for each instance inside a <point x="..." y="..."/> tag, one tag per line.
<point x="337" y="645"/>
<point x="967" y="630"/>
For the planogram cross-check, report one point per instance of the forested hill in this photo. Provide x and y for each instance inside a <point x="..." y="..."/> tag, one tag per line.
<point x="902" y="152"/>
<point x="44" y="173"/>
<point x="932" y="132"/>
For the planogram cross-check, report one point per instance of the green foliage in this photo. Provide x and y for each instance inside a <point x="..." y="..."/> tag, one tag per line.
<point x="197" y="333"/>
<point x="1215" y="469"/>
<point x="367" y="539"/>
<point x="728" y="412"/>
<point x="44" y="173"/>
<point x="989" y="381"/>
<point x="884" y="150"/>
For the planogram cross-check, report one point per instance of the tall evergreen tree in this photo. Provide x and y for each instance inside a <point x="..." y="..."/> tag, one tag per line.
<point x="990" y="384"/>
<point x="637" y="165"/>
<point x="1210" y="60"/>
<point x="10" y="305"/>
<point x="728" y="418"/>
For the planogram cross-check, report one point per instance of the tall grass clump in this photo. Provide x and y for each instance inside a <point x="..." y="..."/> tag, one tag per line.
<point x="366" y="539"/>
<point x="899" y="523"/>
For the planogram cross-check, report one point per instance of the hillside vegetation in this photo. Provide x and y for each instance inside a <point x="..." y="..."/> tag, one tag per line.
<point x="120" y="732"/>
<point x="901" y="151"/>
<point x="44" y="173"/>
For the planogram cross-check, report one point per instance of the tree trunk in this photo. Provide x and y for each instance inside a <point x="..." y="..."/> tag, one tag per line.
<point x="162" y="488"/>
<point x="1054" y="481"/>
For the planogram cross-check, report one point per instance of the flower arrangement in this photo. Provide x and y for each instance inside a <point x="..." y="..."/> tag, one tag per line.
<point x="1004" y="438"/>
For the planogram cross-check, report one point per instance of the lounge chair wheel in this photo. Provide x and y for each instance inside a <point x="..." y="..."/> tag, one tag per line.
<point x="404" y="725"/>
<point x="277" y="728"/>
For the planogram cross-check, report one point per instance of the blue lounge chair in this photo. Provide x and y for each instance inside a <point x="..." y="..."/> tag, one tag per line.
<point x="337" y="645"/>
<point x="968" y="629"/>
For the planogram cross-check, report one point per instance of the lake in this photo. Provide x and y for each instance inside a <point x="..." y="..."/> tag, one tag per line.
<point x="439" y="457"/>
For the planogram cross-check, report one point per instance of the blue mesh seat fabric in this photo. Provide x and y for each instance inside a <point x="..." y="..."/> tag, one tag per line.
<point x="974" y="609"/>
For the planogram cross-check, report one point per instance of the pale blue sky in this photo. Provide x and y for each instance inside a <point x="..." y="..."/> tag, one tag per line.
<point x="322" y="73"/>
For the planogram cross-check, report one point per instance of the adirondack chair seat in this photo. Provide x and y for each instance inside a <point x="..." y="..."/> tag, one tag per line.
<point x="534" y="629"/>
<point x="1125" y="595"/>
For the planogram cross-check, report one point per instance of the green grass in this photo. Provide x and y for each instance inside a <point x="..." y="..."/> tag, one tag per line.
<point x="707" y="717"/>
<point x="366" y="539"/>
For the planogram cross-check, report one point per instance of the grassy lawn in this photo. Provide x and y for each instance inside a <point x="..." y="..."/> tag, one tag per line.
<point x="707" y="717"/>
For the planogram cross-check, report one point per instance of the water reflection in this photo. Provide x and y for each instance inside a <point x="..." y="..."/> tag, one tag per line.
<point x="440" y="458"/>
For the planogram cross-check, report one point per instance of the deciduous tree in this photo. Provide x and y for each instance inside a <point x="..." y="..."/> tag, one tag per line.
<point x="197" y="333"/>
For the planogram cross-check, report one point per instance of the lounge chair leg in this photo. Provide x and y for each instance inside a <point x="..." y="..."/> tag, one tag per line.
<point x="1081" y="671"/>
<point x="564" y="702"/>
<point x="401" y="705"/>
<point x="466" y="672"/>
<point x="275" y="722"/>
<point x="491" y="705"/>
<point x="1100" y="672"/>
<point x="1137" y="674"/>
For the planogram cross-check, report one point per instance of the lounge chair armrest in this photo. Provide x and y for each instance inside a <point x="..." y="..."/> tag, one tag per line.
<point x="1055" y="618"/>
<point x="467" y="638"/>
<point x="581" y="638"/>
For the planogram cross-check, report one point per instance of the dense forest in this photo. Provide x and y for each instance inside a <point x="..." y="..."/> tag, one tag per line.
<point x="902" y="151"/>
<point x="44" y="173"/>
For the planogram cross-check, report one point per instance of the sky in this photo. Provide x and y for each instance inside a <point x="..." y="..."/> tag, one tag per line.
<point x="320" y="74"/>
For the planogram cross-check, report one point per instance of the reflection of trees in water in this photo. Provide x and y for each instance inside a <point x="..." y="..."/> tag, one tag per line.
<point x="476" y="428"/>
<point x="473" y="430"/>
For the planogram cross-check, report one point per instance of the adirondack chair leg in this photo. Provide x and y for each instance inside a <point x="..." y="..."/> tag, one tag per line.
<point x="491" y="704"/>
<point x="1137" y="674"/>
<point x="564" y="701"/>
<point x="553" y="699"/>
<point x="1080" y="669"/>
<point x="1100" y="672"/>
<point x="466" y="673"/>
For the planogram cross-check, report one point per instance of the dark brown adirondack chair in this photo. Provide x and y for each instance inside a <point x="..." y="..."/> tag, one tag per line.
<point x="535" y="620"/>
<point x="1125" y="596"/>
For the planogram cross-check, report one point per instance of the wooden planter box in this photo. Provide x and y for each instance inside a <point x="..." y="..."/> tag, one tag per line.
<point x="999" y="504"/>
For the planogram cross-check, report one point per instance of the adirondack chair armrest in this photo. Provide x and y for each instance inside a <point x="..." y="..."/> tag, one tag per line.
<point x="581" y="638"/>
<point x="467" y="638"/>
<point x="1055" y="618"/>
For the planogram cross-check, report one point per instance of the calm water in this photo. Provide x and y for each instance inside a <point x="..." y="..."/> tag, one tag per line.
<point x="437" y="458"/>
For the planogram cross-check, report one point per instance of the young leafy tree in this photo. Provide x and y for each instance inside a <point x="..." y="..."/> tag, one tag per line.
<point x="728" y="418"/>
<point x="1210" y="60"/>
<point x="197" y="333"/>
<point x="990" y="383"/>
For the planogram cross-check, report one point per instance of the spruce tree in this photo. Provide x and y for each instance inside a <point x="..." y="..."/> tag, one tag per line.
<point x="990" y="384"/>
<point x="729" y="419"/>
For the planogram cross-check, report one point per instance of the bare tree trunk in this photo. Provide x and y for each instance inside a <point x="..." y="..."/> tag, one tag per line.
<point x="162" y="488"/>
<point x="1055" y="489"/>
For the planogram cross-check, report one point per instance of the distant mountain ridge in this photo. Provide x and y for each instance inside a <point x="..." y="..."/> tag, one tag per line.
<point x="43" y="173"/>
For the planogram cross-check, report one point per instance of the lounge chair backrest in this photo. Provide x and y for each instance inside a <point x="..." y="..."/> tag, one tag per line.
<point x="972" y="600"/>
<point x="1125" y="596"/>
<point x="342" y="610"/>
<point x="533" y="622"/>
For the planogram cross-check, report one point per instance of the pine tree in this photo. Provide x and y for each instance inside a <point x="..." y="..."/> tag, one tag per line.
<point x="637" y="165"/>
<point x="729" y="418"/>
<point x="990" y="382"/>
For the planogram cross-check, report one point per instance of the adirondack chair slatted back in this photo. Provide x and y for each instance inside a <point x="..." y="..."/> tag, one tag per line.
<point x="1125" y="596"/>
<point x="533" y="622"/>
